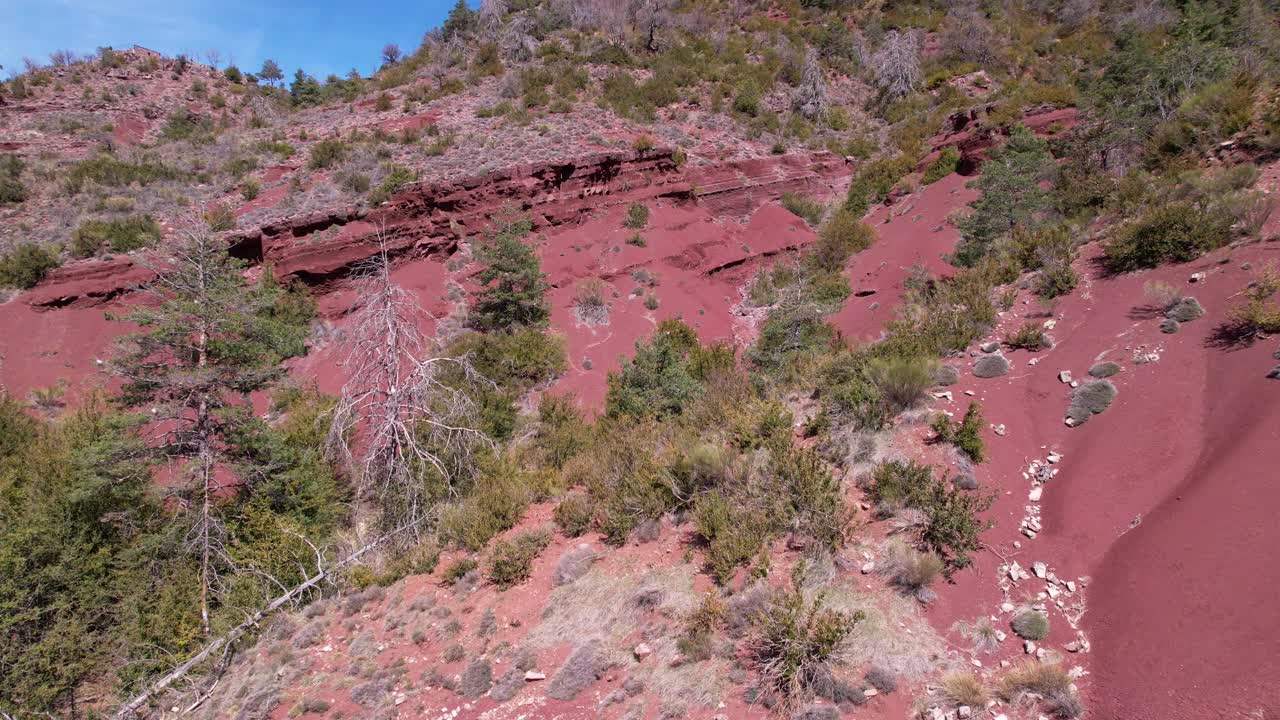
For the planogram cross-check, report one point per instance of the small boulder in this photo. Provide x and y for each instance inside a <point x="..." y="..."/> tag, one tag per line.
<point x="534" y="675"/>
<point x="642" y="651"/>
<point x="1040" y="569"/>
<point x="1197" y="277"/>
<point x="1274" y="374"/>
<point x="1064" y="376"/>
<point x="1169" y="326"/>
<point x="989" y="347"/>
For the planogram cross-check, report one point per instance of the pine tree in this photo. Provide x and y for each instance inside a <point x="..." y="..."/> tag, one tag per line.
<point x="513" y="291"/>
<point x="207" y="344"/>
<point x="270" y="71"/>
<point x="1011" y="195"/>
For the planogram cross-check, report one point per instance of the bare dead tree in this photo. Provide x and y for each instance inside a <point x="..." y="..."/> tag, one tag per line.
<point x="650" y="16"/>
<point x="896" y="64"/>
<point x="489" y="15"/>
<point x="403" y="407"/>
<point x="810" y="99"/>
<point x="324" y="571"/>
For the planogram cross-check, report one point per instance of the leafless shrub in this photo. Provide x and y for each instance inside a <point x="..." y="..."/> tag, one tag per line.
<point x="309" y="635"/>
<point x="476" y="679"/>
<point x="573" y="564"/>
<point x="810" y="98"/>
<point x="896" y="65"/>
<point x="585" y="665"/>
<point x="967" y="35"/>
<point x="369" y="694"/>
<point x="589" y="305"/>
<point x="981" y="632"/>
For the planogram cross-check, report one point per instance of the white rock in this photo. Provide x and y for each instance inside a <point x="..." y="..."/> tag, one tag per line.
<point x="1197" y="277"/>
<point x="532" y="675"/>
<point x="976" y="662"/>
<point x="1071" y="586"/>
<point x="1075" y="383"/>
<point x="400" y="699"/>
<point x="1033" y="361"/>
<point x="327" y="648"/>
<point x="964" y="711"/>
<point x="1031" y="534"/>
<point x="1006" y="607"/>
<point x="1028" y="646"/>
<point x="1053" y="457"/>
<point x="999" y="429"/>
<point x="1015" y="571"/>
<point x="1053" y="591"/>
<point x="642" y="651"/>
<point x="1040" y="569"/>
<point x="970" y="393"/>
<point x="1073" y="646"/>
<point x="1064" y="376"/>
<point x="1034" y="495"/>
<point x="944" y="395"/>
<point x="1050" y="324"/>
<point x="1000" y="634"/>
<point x="870" y="692"/>
<point x="868" y="567"/>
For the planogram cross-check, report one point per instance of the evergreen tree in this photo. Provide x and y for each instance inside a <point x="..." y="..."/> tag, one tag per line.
<point x="1010" y="195"/>
<point x="513" y="291"/>
<point x="461" y="19"/>
<point x="206" y="345"/>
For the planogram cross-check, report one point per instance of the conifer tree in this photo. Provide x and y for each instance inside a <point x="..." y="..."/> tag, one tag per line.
<point x="206" y="344"/>
<point x="513" y="288"/>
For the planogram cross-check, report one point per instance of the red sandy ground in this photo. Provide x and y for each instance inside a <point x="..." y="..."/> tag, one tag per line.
<point x="1162" y="509"/>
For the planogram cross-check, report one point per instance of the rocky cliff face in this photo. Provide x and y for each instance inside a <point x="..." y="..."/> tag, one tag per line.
<point x="426" y="218"/>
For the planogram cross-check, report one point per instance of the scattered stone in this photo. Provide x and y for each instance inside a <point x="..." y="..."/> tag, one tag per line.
<point x="1071" y="586"/>
<point x="1197" y="277"/>
<point x="868" y="568"/>
<point x="998" y="429"/>
<point x="1168" y="326"/>
<point x="964" y="712"/>
<point x="971" y="393"/>
<point x="642" y="651"/>
<point x="1053" y="457"/>
<point x="1050" y="324"/>
<point x="1064" y="376"/>
<point x="990" y="366"/>
<point x="1274" y="374"/>
<point x="534" y="675"/>
<point x="870" y="692"/>
<point x="1034" y="495"/>
<point x="1029" y="647"/>
<point x="1040" y="569"/>
<point x="945" y="395"/>
<point x="989" y="347"/>
<point x="1006" y="607"/>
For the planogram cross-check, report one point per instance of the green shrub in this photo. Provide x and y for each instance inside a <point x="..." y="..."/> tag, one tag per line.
<point x="186" y="125"/>
<point x="1028" y="337"/>
<point x="458" y="569"/>
<point x="25" y="265"/>
<point x="515" y="360"/>
<point x="219" y="217"/>
<point x="1030" y="625"/>
<point x="796" y="643"/>
<point x="637" y="216"/>
<point x="561" y="433"/>
<point x="1259" y="314"/>
<point x="951" y="526"/>
<point x="11" y="188"/>
<point x="874" y="181"/>
<point x="1176" y="231"/>
<point x="942" y="166"/>
<point x="117" y="235"/>
<point x="106" y="169"/>
<point x="250" y="189"/>
<point x="499" y="498"/>
<point x="573" y="514"/>
<point x="900" y="381"/>
<point x="965" y="435"/>
<point x="895" y="483"/>
<point x="327" y="153"/>
<point x="396" y="175"/>
<point x="909" y="570"/>
<point x="512" y="560"/>
<point x="665" y="374"/>
<point x="840" y="237"/>
<point x="803" y="206"/>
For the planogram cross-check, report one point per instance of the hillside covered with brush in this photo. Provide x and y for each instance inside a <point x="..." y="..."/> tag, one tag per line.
<point x="651" y="359"/>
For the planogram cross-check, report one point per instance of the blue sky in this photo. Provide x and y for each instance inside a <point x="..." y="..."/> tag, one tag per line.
<point x="328" y="36"/>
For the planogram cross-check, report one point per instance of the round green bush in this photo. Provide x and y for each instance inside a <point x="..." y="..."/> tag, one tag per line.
<point x="1030" y="625"/>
